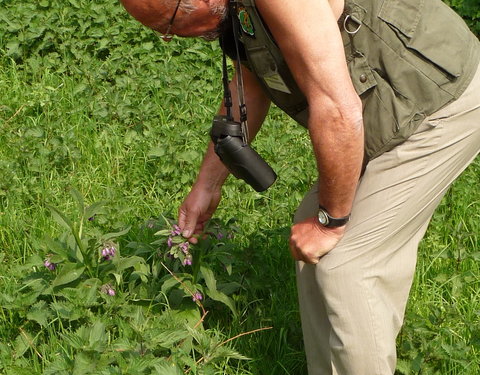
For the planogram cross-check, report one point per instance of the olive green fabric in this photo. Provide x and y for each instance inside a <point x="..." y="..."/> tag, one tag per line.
<point x="407" y="59"/>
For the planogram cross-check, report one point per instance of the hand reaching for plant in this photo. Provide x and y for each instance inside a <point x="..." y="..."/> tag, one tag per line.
<point x="197" y="208"/>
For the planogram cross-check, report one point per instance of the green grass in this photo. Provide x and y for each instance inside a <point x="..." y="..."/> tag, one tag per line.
<point x="122" y="118"/>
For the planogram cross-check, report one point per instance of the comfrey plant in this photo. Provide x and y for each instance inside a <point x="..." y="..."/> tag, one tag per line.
<point x="137" y="308"/>
<point x="194" y="264"/>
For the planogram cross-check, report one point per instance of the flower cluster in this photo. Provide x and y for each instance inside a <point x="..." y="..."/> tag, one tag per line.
<point x="197" y="296"/>
<point x="107" y="289"/>
<point x="51" y="266"/>
<point x="178" y="247"/>
<point x="108" y="252"/>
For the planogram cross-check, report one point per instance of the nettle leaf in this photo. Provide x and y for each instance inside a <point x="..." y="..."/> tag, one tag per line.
<point x="84" y="364"/>
<point x="59" y="366"/>
<point x="40" y="313"/>
<point x="23" y="342"/>
<point x="97" y="339"/>
<point x="168" y="369"/>
<point x="224" y="352"/>
<point x="167" y="338"/>
<point x="66" y="310"/>
<point x="74" y="3"/>
<point x="68" y="273"/>
<point x="403" y="367"/>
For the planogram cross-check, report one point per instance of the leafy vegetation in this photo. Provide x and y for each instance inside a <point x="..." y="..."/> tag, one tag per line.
<point x="92" y="101"/>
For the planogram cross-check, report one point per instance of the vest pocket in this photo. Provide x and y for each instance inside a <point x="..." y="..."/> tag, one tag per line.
<point x="420" y="25"/>
<point x="389" y="117"/>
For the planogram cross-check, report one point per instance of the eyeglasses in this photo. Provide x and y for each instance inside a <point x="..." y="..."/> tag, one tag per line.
<point x="167" y="37"/>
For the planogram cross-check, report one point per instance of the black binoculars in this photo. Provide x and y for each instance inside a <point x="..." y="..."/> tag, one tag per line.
<point x="240" y="159"/>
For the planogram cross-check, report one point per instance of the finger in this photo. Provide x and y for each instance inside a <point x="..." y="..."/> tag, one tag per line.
<point x="190" y="224"/>
<point x="294" y="250"/>
<point x="181" y="218"/>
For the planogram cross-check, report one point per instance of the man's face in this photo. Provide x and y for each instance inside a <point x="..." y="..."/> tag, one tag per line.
<point x="203" y="20"/>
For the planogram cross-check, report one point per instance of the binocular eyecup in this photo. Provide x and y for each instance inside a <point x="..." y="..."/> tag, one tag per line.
<point x="240" y="159"/>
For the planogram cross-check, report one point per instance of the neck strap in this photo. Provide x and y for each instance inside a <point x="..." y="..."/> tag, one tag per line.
<point x="238" y="68"/>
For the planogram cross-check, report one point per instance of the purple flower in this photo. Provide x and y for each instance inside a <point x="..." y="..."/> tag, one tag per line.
<point x="169" y="242"/>
<point x="150" y="224"/>
<point x="220" y="235"/>
<point x="187" y="261"/>
<point x="108" y="290"/>
<point x="51" y="266"/>
<point x="176" y="230"/>
<point x="184" y="247"/>
<point x="197" y="296"/>
<point x="108" y="252"/>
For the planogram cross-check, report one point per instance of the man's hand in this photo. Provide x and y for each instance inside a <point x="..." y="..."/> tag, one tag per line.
<point x="309" y="240"/>
<point x="196" y="210"/>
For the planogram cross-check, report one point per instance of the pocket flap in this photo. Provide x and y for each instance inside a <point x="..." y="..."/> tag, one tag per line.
<point x="361" y="74"/>
<point x="404" y="15"/>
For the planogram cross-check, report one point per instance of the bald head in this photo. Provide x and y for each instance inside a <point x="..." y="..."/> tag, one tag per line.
<point x="194" y="17"/>
<point x="154" y="13"/>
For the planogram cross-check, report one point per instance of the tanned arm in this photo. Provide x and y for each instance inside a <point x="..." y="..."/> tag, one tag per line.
<point x="312" y="46"/>
<point x="204" y="197"/>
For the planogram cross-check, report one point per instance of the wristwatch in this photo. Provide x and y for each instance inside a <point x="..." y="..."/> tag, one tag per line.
<point x="331" y="222"/>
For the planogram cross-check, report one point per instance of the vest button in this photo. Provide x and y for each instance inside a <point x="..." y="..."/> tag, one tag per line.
<point x="363" y="78"/>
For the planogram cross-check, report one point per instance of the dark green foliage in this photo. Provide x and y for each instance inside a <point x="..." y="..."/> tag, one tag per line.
<point x="470" y="12"/>
<point x="121" y="310"/>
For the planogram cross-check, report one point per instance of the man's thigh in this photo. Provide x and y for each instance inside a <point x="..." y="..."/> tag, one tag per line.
<point x="364" y="282"/>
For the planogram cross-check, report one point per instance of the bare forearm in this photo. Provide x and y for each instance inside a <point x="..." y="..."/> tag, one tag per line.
<point x="338" y="145"/>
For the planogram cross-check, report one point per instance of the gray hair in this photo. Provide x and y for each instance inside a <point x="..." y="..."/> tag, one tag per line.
<point x="188" y="7"/>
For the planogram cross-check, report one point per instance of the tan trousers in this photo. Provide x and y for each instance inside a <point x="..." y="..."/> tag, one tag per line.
<point x="352" y="302"/>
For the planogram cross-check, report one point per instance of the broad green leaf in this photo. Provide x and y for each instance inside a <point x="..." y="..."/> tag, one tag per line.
<point x="223" y="298"/>
<point x="67" y="274"/>
<point x="209" y="278"/>
<point x="79" y="199"/>
<point x="109" y="236"/>
<point x="58" y="248"/>
<point x="156" y="152"/>
<point x="163" y="232"/>
<point x="94" y="209"/>
<point x="168" y="284"/>
<point x="60" y="218"/>
<point x="122" y="264"/>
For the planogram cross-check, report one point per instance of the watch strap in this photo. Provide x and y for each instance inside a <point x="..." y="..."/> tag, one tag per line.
<point x="333" y="222"/>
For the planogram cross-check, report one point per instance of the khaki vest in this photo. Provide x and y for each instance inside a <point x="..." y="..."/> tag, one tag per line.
<point x="407" y="59"/>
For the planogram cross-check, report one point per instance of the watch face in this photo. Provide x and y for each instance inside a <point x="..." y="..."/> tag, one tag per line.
<point x="322" y="217"/>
